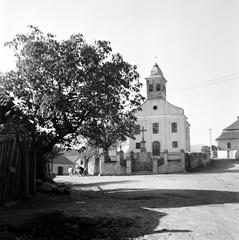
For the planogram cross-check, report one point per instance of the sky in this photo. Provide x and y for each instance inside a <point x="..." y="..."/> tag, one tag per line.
<point x="194" y="42"/>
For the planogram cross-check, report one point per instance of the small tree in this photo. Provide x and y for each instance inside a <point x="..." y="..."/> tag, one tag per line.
<point x="107" y="133"/>
<point x="60" y="88"/>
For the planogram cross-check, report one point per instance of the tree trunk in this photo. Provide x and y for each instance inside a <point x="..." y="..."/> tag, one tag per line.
<point x="42" y="161"/>
<point x="43" y="172"/>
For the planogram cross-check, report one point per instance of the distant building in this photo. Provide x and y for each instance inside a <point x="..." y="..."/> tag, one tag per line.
<point x="60" y="165"/>
<point x="161" y="125"/>
<point x="229" y="139"/>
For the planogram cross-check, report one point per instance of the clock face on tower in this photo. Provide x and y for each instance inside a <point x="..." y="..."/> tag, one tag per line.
<point x="155" y="107"/>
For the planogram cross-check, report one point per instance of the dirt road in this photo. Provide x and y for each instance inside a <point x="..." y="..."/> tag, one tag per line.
<point x="201" y="205"/>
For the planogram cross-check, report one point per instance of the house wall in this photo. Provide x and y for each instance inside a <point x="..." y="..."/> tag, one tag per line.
<point x="65" y="168"/>
<point x="225" y="154"/>
<point x="223" y="144"/>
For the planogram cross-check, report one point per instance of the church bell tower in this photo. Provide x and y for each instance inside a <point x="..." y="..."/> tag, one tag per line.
<point x="156" y="84"/>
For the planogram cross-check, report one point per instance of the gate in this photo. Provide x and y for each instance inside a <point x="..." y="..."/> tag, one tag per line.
<point x="142" y="166"/>
<point x="15" y="180"/>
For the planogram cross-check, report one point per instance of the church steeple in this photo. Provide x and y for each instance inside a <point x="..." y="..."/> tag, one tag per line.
<point x="156" y="84"/>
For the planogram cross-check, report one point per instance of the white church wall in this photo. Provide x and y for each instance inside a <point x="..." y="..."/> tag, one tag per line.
<point x="165" y="137"/>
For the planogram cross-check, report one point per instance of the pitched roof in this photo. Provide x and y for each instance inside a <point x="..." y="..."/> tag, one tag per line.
<point x="233" y="126"/>
<point x="62" y="160"/>
<point x="228" y="135"/>
<point x="156" y="70"/>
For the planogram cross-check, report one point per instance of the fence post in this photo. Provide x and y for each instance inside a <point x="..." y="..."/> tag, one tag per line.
<point x="182" y="158"/>
<point x="155" y="165"/>
<point x="121" y="157"/>
<point x="129" y="163"/>
<point x="128" y="166"/>
<point x="165" y="157"/>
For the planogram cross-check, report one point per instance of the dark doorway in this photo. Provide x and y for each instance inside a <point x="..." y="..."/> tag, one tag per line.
<point x="156" y="148"/>
<point x="60" y="171"/>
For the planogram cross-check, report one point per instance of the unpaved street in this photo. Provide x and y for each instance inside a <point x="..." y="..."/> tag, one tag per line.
<point x="201" y="205"/>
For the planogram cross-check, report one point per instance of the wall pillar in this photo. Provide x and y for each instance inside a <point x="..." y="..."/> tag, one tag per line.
<point x="128" y="166"/>
<point x="121" y="157"/>
<point x="155" y="165"/>
<point x="165" y="157"/>
<point x="182" y="158"/>
<point x="98" y="161"/>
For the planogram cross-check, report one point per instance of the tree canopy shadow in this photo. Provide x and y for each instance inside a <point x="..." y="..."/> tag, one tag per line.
<point x="125" y="212"/>
<point x="97" y="184"/>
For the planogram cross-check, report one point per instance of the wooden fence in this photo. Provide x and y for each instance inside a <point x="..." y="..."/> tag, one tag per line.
<point x="17" y="170"/>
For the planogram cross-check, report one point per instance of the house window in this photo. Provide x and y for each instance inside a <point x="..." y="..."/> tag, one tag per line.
<point x="175" y="144"/>
<point x="155" y="128"/>
<point x="229" y="145"/>
<point x="138" y="129"/>
<point x="174" y="127"/>
<point x="150" y="87"/>
<point x="137" y="145"/>
<point x="158" y="87"/>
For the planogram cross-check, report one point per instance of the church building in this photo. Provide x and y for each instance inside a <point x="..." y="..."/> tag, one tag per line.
<point x="161" y="125"/>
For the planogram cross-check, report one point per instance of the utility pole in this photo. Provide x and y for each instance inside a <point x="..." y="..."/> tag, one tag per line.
<point x="210" y="132"/>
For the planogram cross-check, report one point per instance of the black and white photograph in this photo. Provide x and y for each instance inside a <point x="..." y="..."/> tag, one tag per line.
<point x="119" y="119"/>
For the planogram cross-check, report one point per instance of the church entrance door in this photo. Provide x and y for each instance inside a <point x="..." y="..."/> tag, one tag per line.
<point x="156" y="148"/>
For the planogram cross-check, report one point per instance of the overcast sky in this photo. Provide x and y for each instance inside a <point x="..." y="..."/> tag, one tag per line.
<point x="196" y="43"/>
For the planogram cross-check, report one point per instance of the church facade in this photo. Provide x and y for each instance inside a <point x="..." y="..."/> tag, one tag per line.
<point x="160" y="125"/>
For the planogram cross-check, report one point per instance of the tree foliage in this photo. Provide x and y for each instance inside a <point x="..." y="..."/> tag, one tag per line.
<point x="70" y="87"/>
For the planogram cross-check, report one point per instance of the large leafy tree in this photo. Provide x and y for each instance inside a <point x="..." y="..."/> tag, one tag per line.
<point x="63" y="87"/>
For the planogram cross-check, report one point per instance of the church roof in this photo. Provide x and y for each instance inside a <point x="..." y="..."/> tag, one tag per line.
<point x="156" y="70"/>
<point x="228" y="135"/>
<point x="233" y="126"/>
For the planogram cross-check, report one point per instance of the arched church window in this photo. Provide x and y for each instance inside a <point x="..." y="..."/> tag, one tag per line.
<point x="150" y="87"/>
<point x="156" y="148"/>
<point x="158" y="87"/>
<point x="229" y="145"/>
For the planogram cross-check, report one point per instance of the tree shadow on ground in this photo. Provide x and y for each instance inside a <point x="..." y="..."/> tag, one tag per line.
<point x="146" y="206"/>
<point x="131" y="212"/>
<point x="97" y="184"/>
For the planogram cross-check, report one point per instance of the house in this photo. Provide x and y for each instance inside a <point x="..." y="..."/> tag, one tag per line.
<point x="229" y="138"/>
<point x="161" y="125"/>
<point x="61" y="164"/>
